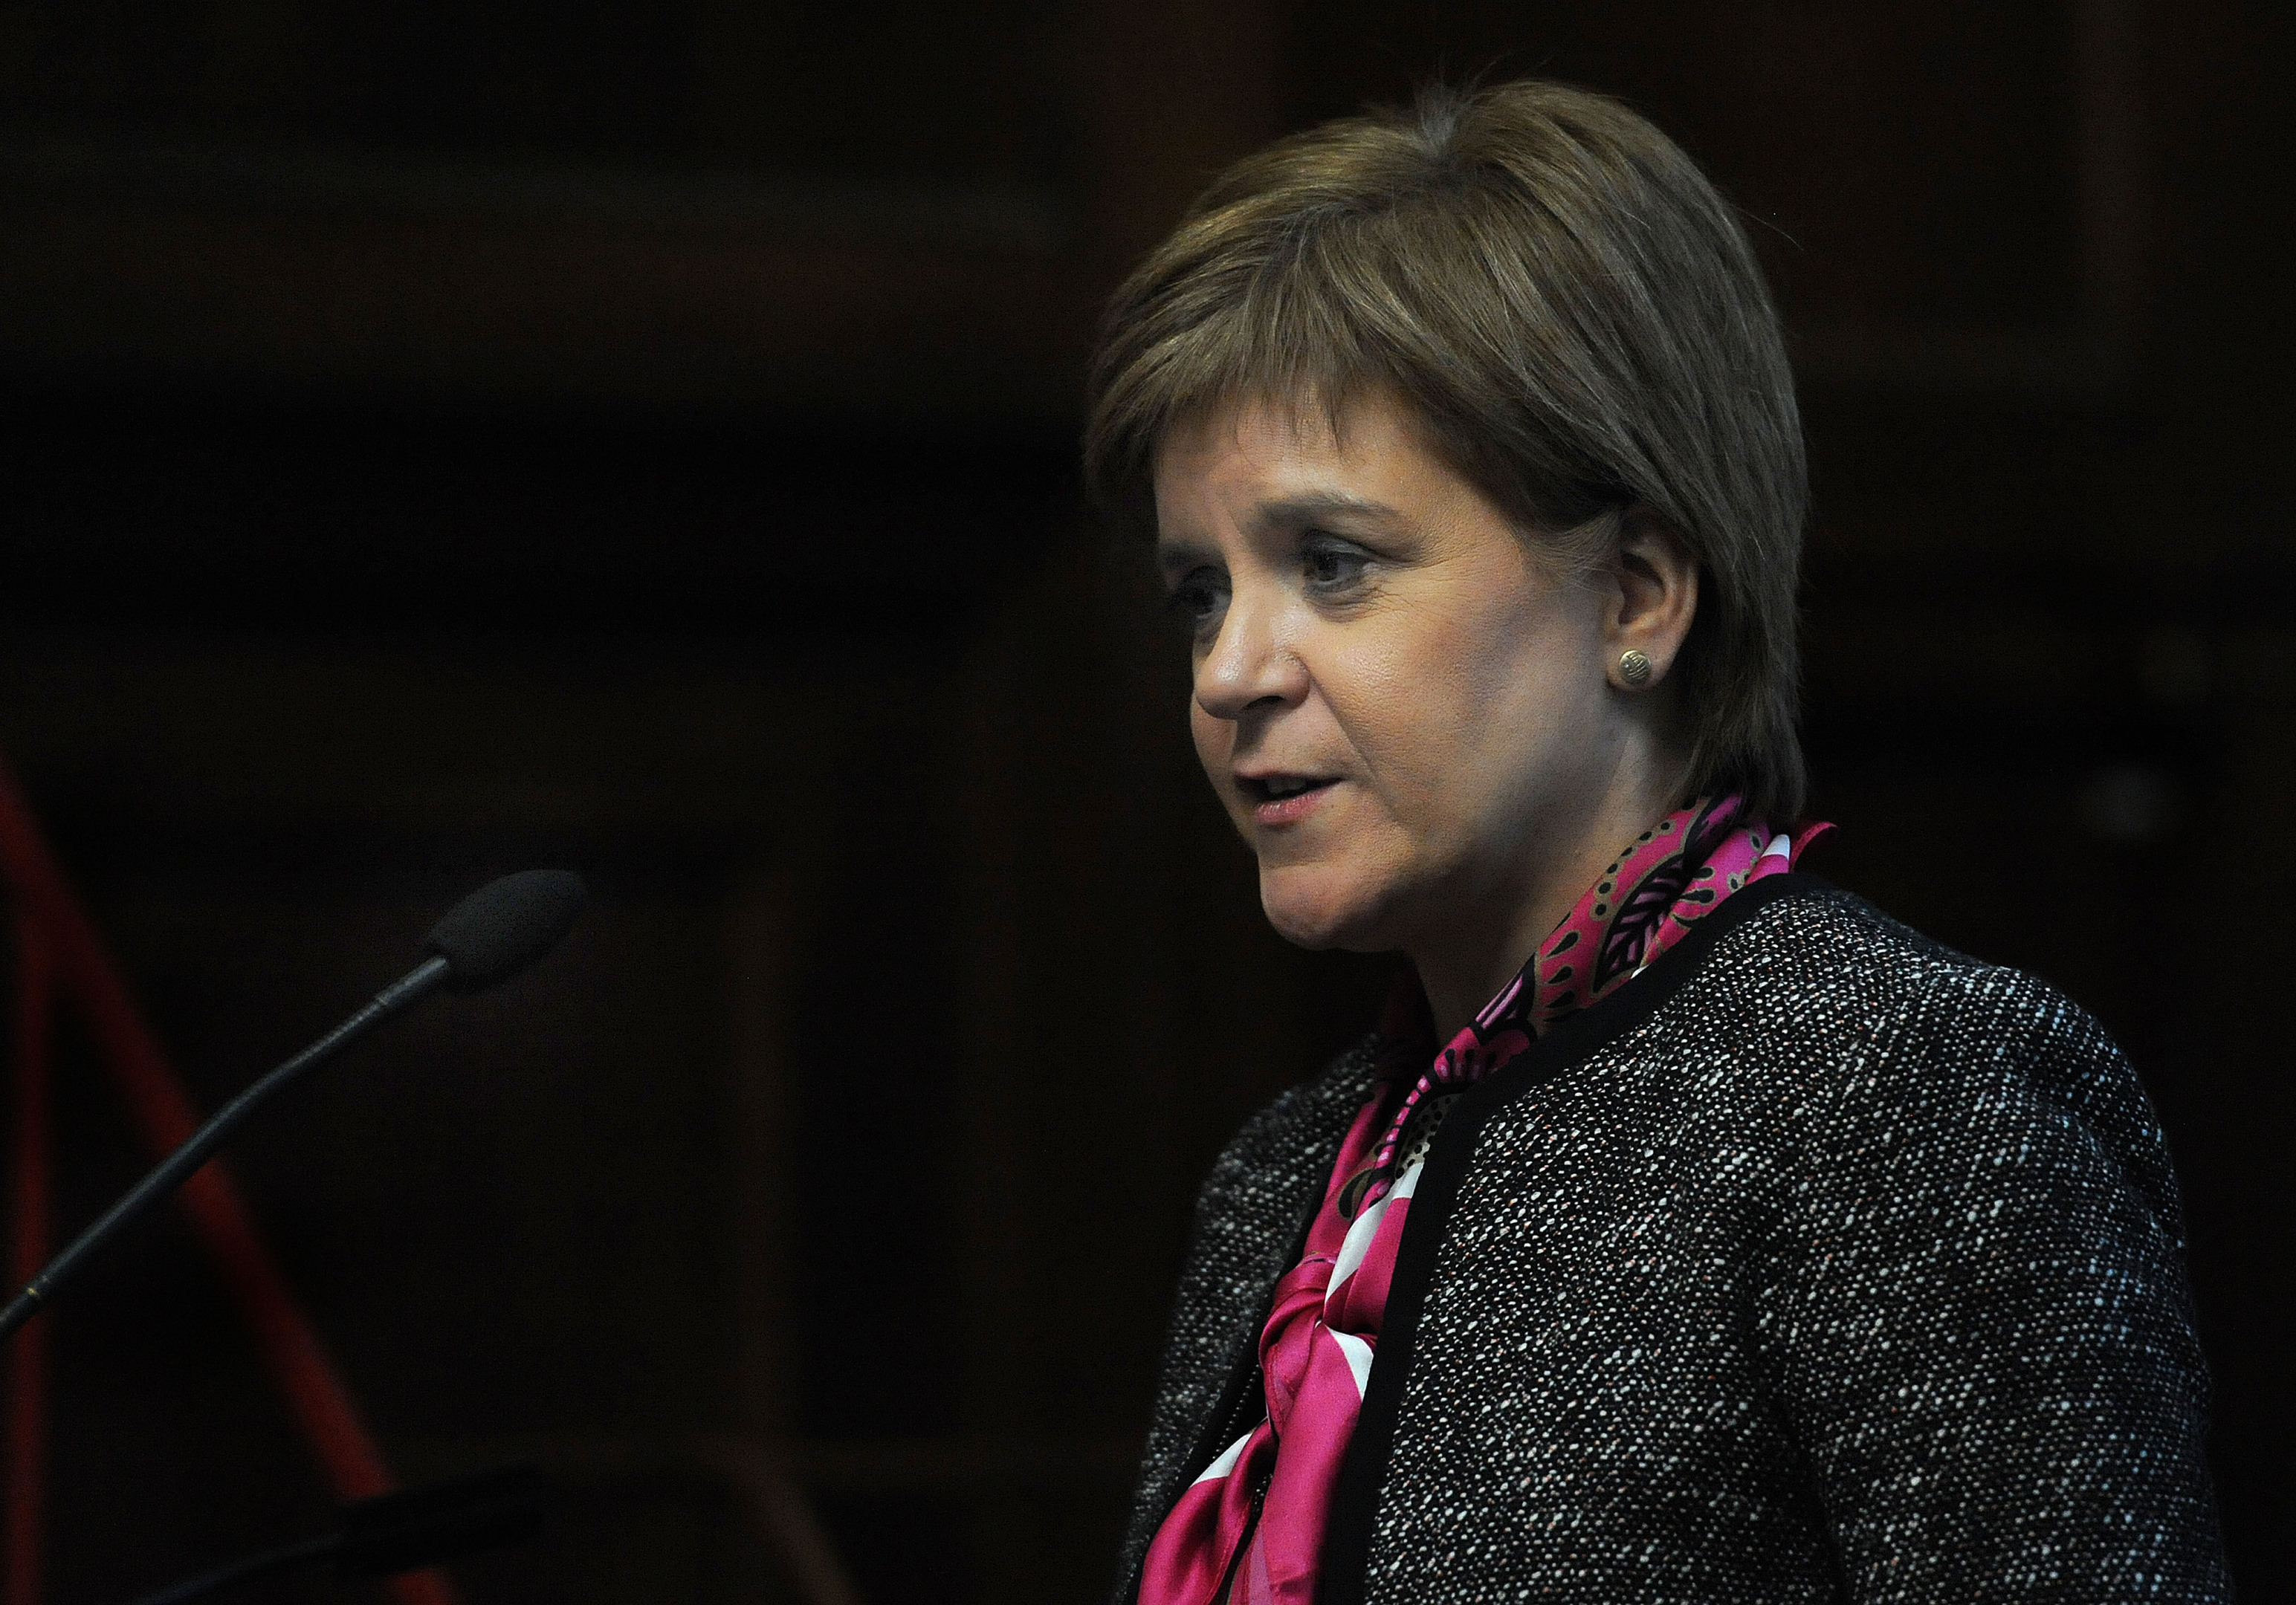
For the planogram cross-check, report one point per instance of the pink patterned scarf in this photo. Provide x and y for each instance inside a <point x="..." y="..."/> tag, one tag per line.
<point x="1250" y="1530"/>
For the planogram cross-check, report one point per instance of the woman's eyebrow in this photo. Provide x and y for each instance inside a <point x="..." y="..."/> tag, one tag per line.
<point x="1177" y="552"/>
<point x="1287" y="512"/>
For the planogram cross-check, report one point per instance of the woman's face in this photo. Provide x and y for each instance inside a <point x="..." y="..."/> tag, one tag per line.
<point x="1404" y="710"/>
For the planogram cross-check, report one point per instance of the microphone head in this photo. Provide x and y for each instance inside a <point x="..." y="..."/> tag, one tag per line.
<point x="505" y="925"/>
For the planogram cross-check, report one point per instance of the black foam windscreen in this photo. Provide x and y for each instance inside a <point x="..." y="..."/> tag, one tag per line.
<point x="505" y="925"/>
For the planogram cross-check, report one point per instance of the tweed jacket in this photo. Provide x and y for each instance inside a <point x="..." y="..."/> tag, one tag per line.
<point x="1818" y="1263"/>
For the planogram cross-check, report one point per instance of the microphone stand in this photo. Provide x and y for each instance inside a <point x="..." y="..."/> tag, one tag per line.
<point x="489" y="936"/>
<point x="196" y="1150"/>
<point x="492" y="934"/>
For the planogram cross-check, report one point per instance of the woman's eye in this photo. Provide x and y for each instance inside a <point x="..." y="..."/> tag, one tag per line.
<point x="1196" y="601"/>
<point x="1332" y="567"/>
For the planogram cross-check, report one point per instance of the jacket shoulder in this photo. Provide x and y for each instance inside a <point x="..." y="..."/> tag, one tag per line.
<point x="1863" y="1013"/>
<point x="1830" y="963"/>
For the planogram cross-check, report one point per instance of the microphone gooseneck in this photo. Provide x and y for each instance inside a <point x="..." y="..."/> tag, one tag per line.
<point x="491" y="935"/>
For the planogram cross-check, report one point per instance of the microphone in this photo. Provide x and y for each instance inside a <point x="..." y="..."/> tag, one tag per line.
<point x="489" y="936"/>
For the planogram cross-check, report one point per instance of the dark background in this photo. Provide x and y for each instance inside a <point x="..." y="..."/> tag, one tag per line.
<point x="438" y="438"/>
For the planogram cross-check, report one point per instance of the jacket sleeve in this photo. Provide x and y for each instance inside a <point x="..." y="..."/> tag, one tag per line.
<point x="1978" y="1320"/>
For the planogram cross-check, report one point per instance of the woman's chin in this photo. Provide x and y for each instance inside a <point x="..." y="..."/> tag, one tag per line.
<point x="1313" y="908"/>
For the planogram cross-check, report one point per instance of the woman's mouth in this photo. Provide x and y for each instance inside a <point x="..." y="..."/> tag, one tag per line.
<point x="1282" y="799"/>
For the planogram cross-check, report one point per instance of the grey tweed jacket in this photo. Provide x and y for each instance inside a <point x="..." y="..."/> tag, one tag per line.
<point x="1819" y="1263"/>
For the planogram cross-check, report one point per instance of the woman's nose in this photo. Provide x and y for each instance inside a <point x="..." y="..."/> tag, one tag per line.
<point x="1249" y="665"/>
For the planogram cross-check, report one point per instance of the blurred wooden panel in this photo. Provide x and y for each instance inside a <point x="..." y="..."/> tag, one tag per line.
<point x="878" y="90"/>
<point x="530" y="285"/>
<point x="850" y="209"/>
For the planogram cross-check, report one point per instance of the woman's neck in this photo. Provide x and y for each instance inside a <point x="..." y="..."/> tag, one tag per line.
<point x="1469" y="956"/>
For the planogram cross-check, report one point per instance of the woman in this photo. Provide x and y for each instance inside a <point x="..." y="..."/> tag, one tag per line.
<point x="1690" y="1231"/>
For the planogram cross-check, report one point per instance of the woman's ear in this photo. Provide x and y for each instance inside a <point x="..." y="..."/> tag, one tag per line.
<point x="1651" y="600"/>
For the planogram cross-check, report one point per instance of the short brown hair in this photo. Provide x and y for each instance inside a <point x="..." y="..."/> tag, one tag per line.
<point x="1576" y="317"/>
